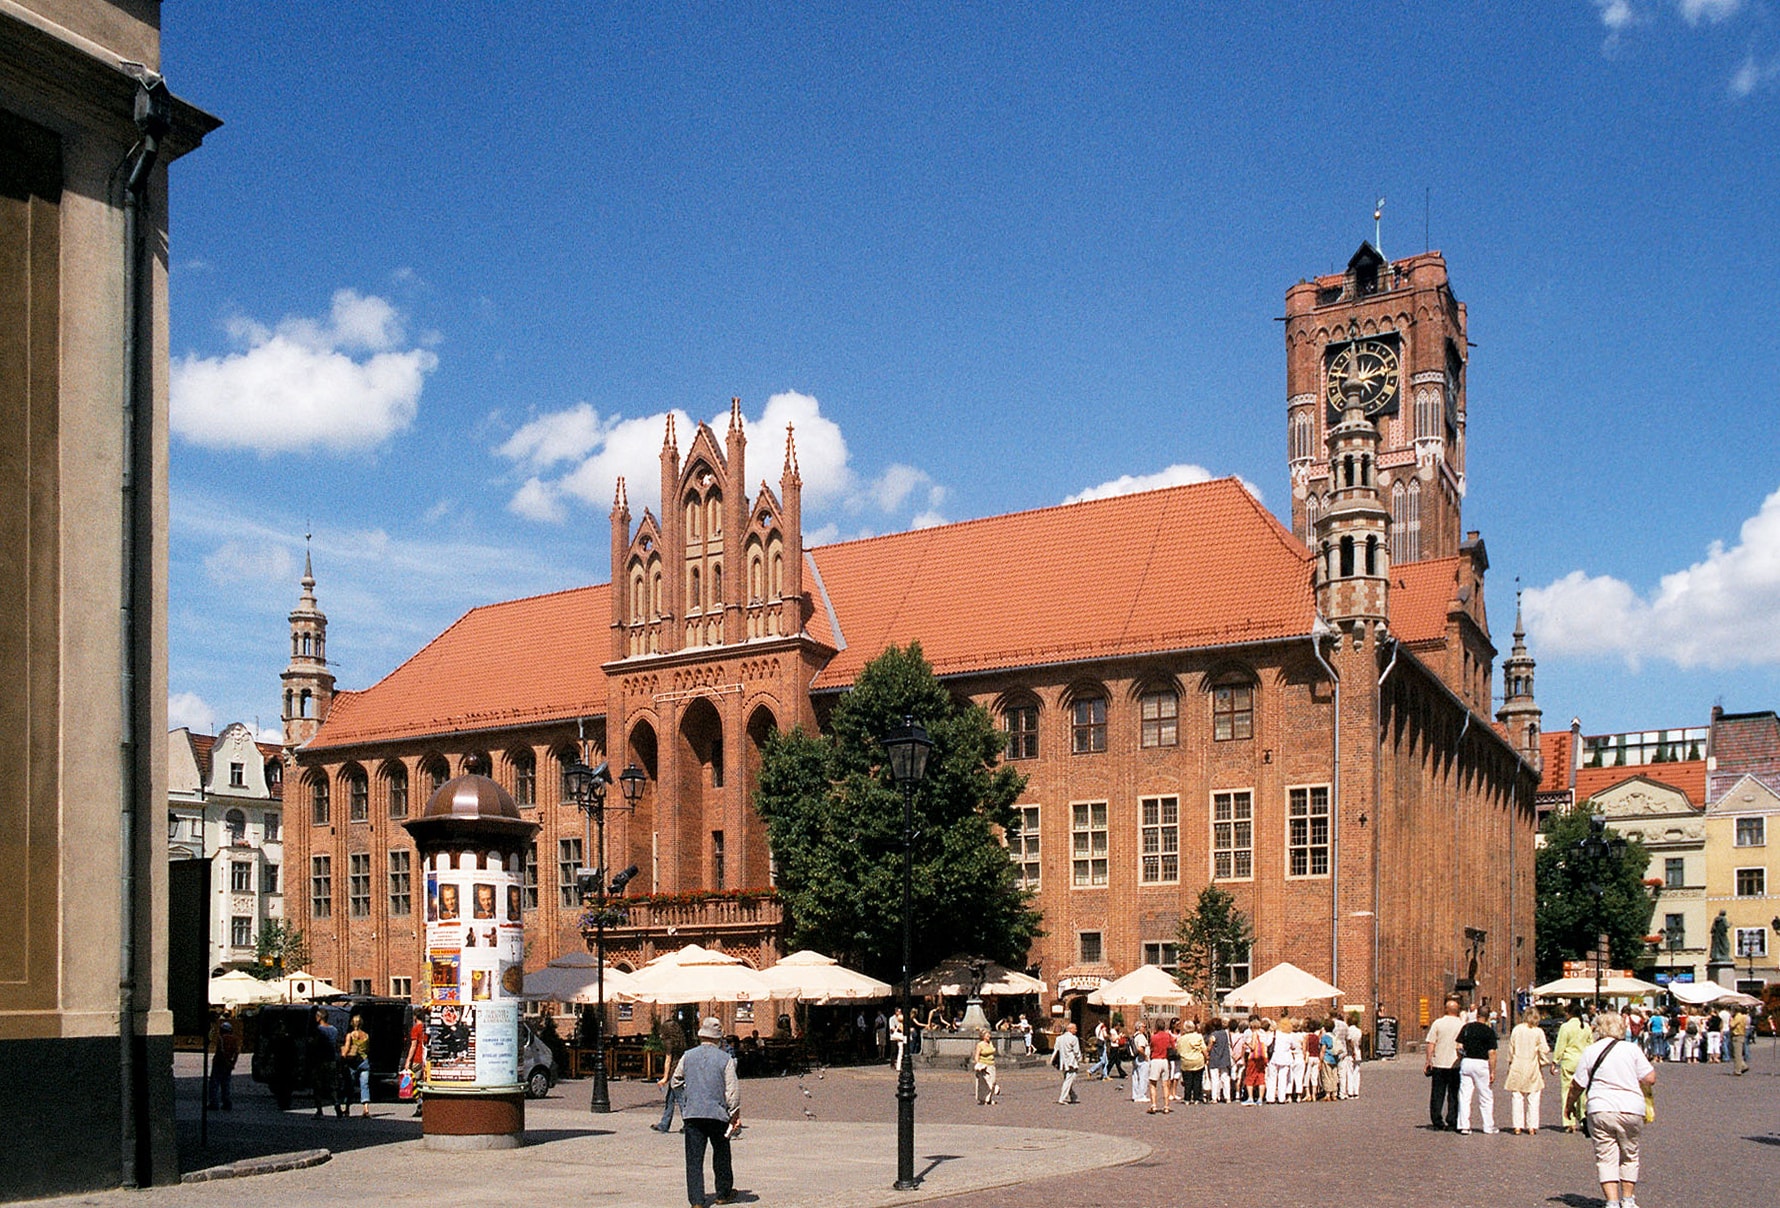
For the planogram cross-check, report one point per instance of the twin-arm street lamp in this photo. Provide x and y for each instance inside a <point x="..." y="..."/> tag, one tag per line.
<point x="586" y="787"/>
<point x="1596" y="848"/>
<point x="908" y="748"/>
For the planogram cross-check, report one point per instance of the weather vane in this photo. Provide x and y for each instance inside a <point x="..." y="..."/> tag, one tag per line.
<point x="1377" y="223"/>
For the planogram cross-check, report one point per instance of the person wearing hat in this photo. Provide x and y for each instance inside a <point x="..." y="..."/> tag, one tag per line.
<point x="710" y="1104"/>
<point x="228" y="1051"/>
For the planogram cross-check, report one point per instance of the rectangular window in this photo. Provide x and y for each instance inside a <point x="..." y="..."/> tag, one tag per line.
<point x="1022" y="843"/>
<point x="358" y="884"/>
<point x="401" y="883"/>
<point x="172" y="826"/>
<point x="241" y="931"/>
<point x="1021" y="723"/>
<point x="1232" y="711"/>
<point x="240" y="876"/>
<point x="1162" y="954"/>
<point x="269" y="878"/>
<point x="1752" y="882"/>
<point x="1159" y="839"/>
<point x="529" y="896"/>
<point x="237" y="775"/>
<point x="359" y="799"/>
<point x="1752" y="941"/>
<point x="717" y="763"/>
<point x="1751" y="832"/>
<point x="1087" y="843"/>
<point x="1161" y="719"/>
<point x="568" y="859"/>
<point x="361" y="985"/>
<point x="401" y="987"/>
<point x="1307" y="823"/>
<point x="1675" y="930"/>
<point x="1674" y="872"/>
<point x="1233" y="835"/>
<point x="318" y="800"/>
<point x="525" y="783"/>
<point x="321" y="887"/>
<point x="1234" y="971"/>
<point x="1088" y="943"/>
<point x="398" y="796"/>
<point x="272" y="824"/>
<point x="716" y="859"/>
<point x="1088" y="733"/>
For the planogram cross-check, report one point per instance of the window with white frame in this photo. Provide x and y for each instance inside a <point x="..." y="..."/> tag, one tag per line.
<point x="528" y="896"/>
<point x="1021" y="724"/>
<point x="273" y="822"/>
<point x="1159" y="840"/>
<point x="1087" y="843"/>
<point x="1752" y="832"/>
<point x="361" y="985"/>
<point x="1674" y="872"/>
<point x="1307" y="831"/>
<point x="237" y="775"/>
<point x="401" y="882"/>
<point x="1088" y="726"/>
<point x="321" y="887"/>
<point x="1089" y="947"/>
<point x="240" y="876"/>
<point x="358" y="884"/>
<point x="1752" y="941"/>
<point x="1752" y="882"/>
<point x="1163" y="954"/>
<point x="1232" y="711"/>
<point x="401" y="987"/>
<point x="241" y="931"/>
<point x="568" y="859"/>
<point x="1022" y="845"/>
<point x="1159" y="713"/>
<point x="1233" y="835"/>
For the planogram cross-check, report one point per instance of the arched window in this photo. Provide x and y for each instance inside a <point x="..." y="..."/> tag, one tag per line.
<point x="1232" y="709"/>
<point x="777" y="584"/>
<point x="1412" y="541"/>
<point x="294" y="647"/>
<point x="525" y="778"/>
<point x="306" y="640"/>
<point x="1021" y="725"/>
<point x="756" y="577"/>
<point x="235" y="822"/>
<point x="318" y="799"/>
<point x="1088" y="725"/>
<point x="1372" y="555"/>
<point x="637" y="597"/>
<point x="1399" y="524"/>
<point x="1347" y="470"/>
<point x="288" y="699"/>
<point x="358" y="797"/>
<point x="714" y="514"/>
<point x="308" y="704"/>
<point x="1347" y="557"/>
<point x="1159" y="716"/>
<point x="477" y="763"/>
<point x="395" y="777"/>
<point x="436" y="774"/>
<point x="694" y="601"/>
<point x="655" y="589"/>
<point x="693" y="512"/>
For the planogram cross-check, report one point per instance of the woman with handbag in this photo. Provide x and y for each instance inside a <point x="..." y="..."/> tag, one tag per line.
<point x="356" y="1053"/>
<point x="1611" y="1077"/>
<point x="1529" y="1056"/>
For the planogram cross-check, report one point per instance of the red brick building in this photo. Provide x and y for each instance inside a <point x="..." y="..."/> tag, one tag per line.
<point x="1301" y="716"/>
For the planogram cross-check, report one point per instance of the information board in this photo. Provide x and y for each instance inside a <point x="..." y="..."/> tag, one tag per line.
<point x="1384" y="1037"/>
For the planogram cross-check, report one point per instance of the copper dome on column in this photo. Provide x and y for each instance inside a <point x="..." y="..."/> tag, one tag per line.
<point x="470" y="808"/>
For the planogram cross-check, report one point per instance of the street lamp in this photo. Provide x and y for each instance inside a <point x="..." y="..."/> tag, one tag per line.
<point x="586" y="787"/>
<point x="908" y="748"/>
<point x="1596" y="848"/>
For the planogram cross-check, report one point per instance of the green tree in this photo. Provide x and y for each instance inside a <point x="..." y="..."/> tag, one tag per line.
<point x="278" y="949"/>
<point x="834" y="819"/>
<point x="1208" y="939"/>
<point x="1580" y="896"/>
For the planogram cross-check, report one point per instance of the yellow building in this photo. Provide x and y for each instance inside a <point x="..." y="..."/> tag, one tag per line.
<point x="1740" y="880"/>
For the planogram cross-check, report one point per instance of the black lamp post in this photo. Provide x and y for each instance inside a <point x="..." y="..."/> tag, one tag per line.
<point x="1596" y="848"/>
<point x="908" y="748"/>
<point x="586" y="787"/>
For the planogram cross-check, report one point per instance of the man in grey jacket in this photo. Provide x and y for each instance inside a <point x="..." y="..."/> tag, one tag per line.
<point x="1066" y="1055"/>
<point x="710" y="1103"/>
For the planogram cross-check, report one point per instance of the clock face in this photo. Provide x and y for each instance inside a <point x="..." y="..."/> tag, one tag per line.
<point x="1365" y="372"/>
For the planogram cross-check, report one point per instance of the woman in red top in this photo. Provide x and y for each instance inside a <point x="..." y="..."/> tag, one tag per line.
<point x="1161" y="1048"/>
<point x="1254" y="1074"/>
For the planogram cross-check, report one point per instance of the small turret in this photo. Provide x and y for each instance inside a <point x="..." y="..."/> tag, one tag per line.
<point x="308" y="684"/>
<point x="1520" y="714"/>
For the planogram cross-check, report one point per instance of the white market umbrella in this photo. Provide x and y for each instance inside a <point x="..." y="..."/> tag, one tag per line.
<point x="1284" y="985"/>
<point x="1584" y="987"/>
<point x="814" y="978"/>
<point x="699" y="975"/>
<point x="304" y="986"/>
<point x="952" y="978"/>
<point x="1705" y="994"/>
<point x="577" y="983"/>
<point x="236" y="988"/>
<point x="1144" y="986"/>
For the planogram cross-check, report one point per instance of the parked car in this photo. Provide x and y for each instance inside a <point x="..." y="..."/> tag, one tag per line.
<point x="537" y="1064"/>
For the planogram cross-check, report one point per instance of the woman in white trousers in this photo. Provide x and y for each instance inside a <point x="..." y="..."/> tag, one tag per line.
<point x="1529" y="1056"/>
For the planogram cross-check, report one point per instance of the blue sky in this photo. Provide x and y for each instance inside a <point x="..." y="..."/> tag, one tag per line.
<point x="445" y="268"/>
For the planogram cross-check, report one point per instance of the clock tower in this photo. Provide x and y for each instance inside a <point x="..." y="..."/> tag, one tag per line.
<point x="1384" y="342"/>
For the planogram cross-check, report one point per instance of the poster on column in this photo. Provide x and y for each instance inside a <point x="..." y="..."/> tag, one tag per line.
<point x="475" y="945"/>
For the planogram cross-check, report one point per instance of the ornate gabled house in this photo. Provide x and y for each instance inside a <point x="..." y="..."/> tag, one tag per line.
<point x="1196" y="694"/>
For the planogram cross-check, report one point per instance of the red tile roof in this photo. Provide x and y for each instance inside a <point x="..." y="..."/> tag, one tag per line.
<point x="521" y="661"/>
<point x="1555" y="749"/>
<point x="1688" y="776"/>
<point x="1174" y="569"/>
<point x="1421" y="593"/>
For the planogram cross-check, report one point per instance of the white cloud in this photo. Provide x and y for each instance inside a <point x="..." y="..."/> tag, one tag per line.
<point x="248" y="562"/>
<point x="299" y="386"/>
<point x="1721" y="612"/>
<point x="1696" y="11"/>
<point x="593" y="451"/>
<point x="188" y="709"/>
<point x="1753" y="74"/>
<point x="1616" y="15"/>
<point x="1179" y="474"/>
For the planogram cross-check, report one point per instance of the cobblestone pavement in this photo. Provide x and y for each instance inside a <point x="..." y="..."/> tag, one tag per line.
<point x="829" y="1139"/>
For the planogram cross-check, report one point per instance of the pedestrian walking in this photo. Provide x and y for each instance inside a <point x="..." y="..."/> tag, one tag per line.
<point x="1350" y="1063"/>
<point x="1101" y="1038"/>
<point x="987" y="1087"/>
<point x="1066" y="1055"/>
<point x="1611" y="1078"/>
<point x="1192" y="1050"/>
<point x="1254" y="1062"/>
<point x="222" y="1068"/>
<point x="415" y="1060"/>
<point x="711" y="1108"/>
<point x="324" y="1062"/>
<point x="673" y="1037"/>
<point x="1737" y="1037"/>
<point x="1529" y="1056"/>
<point x="1572" y="1039"/>
<point x="355" y="1053"/>
<point x="1441" y="1064"/>
<point x="1218" y="1061"/>
<point x="1026" y="1036"/>
<point x="1161" y="1058"/>
<point x="1477" y="1075"/>
<point x="1140" y="1062"/>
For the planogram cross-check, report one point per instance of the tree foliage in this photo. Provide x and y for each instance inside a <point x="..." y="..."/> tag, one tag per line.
<point x="1581" y="896"/>
<point x="1207" y="939"/>
<point x="279" y="949"/>
<point x="834" y="819"/>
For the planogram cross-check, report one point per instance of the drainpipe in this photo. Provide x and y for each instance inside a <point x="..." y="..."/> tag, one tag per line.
<point x="1318" y="630"/>
<point x="153" y="116"/>
<point x="1378" y="821"/>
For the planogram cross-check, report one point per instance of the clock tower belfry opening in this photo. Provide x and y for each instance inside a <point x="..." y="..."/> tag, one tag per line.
<point x="1387" y="338"/>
